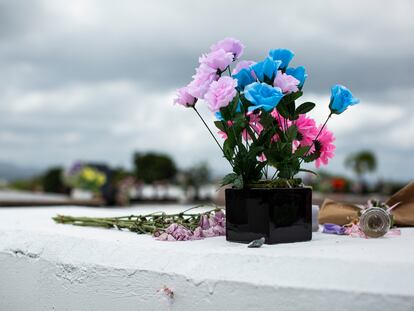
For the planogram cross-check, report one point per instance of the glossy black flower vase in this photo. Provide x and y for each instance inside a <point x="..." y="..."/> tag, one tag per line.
<point x="280" y="215"/>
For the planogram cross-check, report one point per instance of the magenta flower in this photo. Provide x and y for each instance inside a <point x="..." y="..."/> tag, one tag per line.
<point x="222" y="134"/>
<point x="229" y="45"/>
<point x="282" y="122"/>
<point x="287" y="83"/>
<point x="218" y="60"/>
<point x="221" y="93"/>
<point x="202" y="80"/>
<point x="307" y="131"/>
<point x="262" y="157"/>
<point x="243" y="64"/>
<point x="184" y="98"/>
<point x="325" y="139"/>
<point x="254" y="122"/>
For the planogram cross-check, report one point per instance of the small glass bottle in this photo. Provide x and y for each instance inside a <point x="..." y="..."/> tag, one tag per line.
<point x="375" y="222"/>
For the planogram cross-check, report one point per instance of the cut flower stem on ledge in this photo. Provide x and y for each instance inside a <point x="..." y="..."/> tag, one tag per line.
<point x="186" y="225"/>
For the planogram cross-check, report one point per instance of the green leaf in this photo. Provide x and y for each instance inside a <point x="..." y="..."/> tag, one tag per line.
<point x="220" y="125"/>
<point x="312" y="157"/>
<point x="301" y="151"/>
<point x="305" y="108"/>
<point x="228" y="148"/>
<point x="232" y="178"/>
<point x="238" y="182"/>
<point x="291" y="108"/>
<point x="291" y="97"/>
<point x="282" y="109"/>
<point x="292" y="132"/>
<point x="267" y="120"/>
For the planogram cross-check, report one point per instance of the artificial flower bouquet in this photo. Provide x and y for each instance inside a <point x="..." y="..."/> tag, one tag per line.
<point x="267" y="132"/>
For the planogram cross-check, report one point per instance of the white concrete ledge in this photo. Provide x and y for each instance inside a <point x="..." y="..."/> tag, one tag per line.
<point x="48" y="266"/>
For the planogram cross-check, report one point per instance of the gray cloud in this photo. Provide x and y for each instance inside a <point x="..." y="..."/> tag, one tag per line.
<point x="81" y="79"/>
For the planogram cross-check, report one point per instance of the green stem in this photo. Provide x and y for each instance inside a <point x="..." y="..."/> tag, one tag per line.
<point x="211" y="133"/>
<point x="317" y="136"/>
<point x="138" y="223"/>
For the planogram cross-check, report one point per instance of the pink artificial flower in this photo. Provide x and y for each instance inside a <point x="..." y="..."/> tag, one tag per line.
<point x="283" y="123"/>
<point x="325" y="139"/>
<point x="280" y="120"/>
<point x="221" y="93"/>
<point x="223" y="134"/>
<point x="184" y="98"/>
<point x="307" y="132"/>
<point x="243" y="64"/>
<point x="229" y="45"/>
<point x="217" y="60"/>
<point x="261" y="158"/>
<point x="287" y="83"/>
<point x="254" y="123"/>
<point x="202" y="80"/>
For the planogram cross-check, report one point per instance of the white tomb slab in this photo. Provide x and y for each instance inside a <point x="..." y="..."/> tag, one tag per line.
<point x="48" y="266"/>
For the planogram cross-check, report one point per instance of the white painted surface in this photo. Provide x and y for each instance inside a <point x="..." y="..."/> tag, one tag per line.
<point x="48" y="266"/>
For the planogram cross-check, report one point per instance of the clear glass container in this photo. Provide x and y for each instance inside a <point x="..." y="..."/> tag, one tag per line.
<point x="375" y="222"/>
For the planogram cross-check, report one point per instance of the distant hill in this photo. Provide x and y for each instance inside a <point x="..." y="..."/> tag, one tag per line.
<point x="11" y="172"/>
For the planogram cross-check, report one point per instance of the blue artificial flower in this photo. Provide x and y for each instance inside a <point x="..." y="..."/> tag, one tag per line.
<point x="244" y="77"/>
<point x="219" y="116"/>
<point x="341" y="98"/>
<point x="266" y="69"/>
<point x="283" y="55"/>
<point x="299" y="73"/>
<point x="262" y="95"/>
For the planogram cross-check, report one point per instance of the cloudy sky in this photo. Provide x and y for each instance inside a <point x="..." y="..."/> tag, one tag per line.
<point x="94" y="80"/>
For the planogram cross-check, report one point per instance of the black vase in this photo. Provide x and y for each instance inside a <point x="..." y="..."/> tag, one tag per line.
<point x="280" y="215"/>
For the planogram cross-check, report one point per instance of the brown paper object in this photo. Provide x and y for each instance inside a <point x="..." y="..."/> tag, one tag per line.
<point x="404" y="212"/>
<point x="343" y="213"/>
<point x="337" y="213"/>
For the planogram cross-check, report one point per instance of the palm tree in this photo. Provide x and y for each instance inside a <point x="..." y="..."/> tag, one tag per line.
<point x="361" y="163"/>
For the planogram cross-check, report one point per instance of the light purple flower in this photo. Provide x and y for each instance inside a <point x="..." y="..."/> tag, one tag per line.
<point x="204" y="222"/>
<point x="184" y="98"/>
<point x="209" y="233"/>
<point x="211" y="226"/>
<point x="220" y="218"/>
<point x="217" y="60"/>
<point x="219" y="230"/>
<point x="204" y="76"/>
<point x="176" y="232"/>
<point x="243" y="64"/>
<point x="231" y="45"/>
<point x="75" y="168"/>
<point x="221" y="93"/>
<point x="198" y="233"/>
<point x="286" y="83"/>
